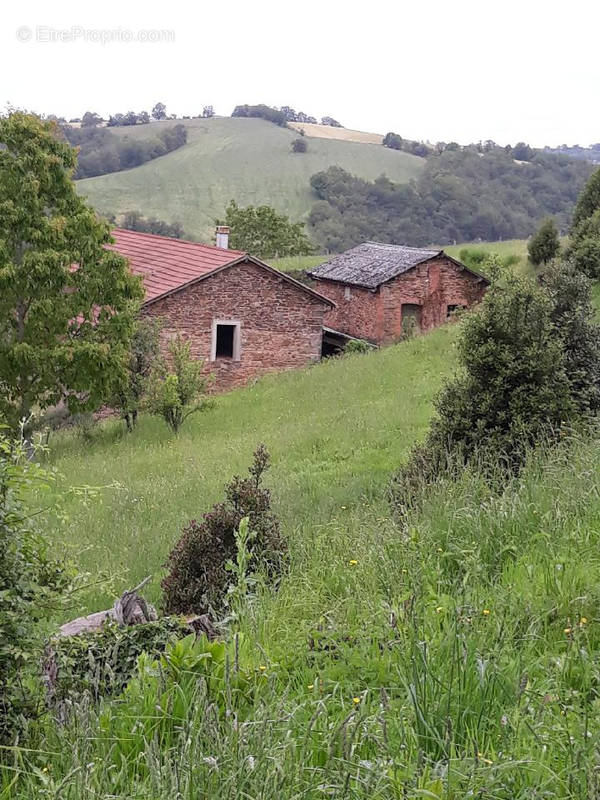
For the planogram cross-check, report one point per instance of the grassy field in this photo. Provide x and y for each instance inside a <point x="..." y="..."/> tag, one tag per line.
<point x="248" y="160"/>
<point x="455" y="657"/>
<point x="335" y="431"/>
<point x="343" y="134"/>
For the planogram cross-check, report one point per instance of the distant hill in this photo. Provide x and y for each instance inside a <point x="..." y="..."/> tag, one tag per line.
<point x="249" y="160"/>
<point x="331" y="132"/>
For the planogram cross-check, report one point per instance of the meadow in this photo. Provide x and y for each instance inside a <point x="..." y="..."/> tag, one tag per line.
<point x="452" y="657"/>
<point x="226" y="158"/>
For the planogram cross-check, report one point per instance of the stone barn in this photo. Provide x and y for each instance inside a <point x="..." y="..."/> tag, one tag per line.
<point x="384" y="291"/>
<point x="242" y="317"/>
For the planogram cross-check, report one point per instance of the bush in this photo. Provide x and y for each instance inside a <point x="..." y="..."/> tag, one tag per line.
<point x="545" y="245"/>
<point x="31" y="580"/>
<point x="198" y="577"/>
<point x="101" y="663"/>
<point x="177" y="393"/>
<point x="143" y="354"/>
<point x="357" y="346"/>
<point x="584" y="246"/>
<point x="299" y="145"/>
<point x="530" y="359"/>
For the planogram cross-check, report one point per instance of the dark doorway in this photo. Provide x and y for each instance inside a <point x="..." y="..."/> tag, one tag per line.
<point x="225" y="341"/>
<point x="411" y="319"/>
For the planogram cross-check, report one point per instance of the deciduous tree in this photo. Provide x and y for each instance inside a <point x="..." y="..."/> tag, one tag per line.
<point x="260" y="230"/>
<point x="67" y="303"/>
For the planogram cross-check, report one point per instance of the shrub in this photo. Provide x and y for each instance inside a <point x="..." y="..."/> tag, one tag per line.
<point x="143" y="354"/>
<point x="177" y="393"/>
<point x="30" y="581"/>
<point x="357" y="346"/>
<point x="584" y="246"/>
<point x="530" y="359"/>
<point x="198" y="576"/>
<point x="299" y="145"/>
<point x="101" y="663"/>
<point x="545" y="245"/>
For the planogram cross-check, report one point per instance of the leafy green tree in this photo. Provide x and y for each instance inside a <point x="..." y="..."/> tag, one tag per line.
<point x="90" y="119"/>
<point x="178" y="389"/>
<point x="260" y="230"/>
<point x="299" y="145"/>
<point x="31" y="582"/>
<point x="584" y="246"/>
<point x="67" y="303"/>
<point x="545" y="245"/>
<point x="393" y="140"/>
<point x="143" y="354"/>
<point x="530" y="363"/>
<point x="588" y="201"/>
<point x="159" y="111"/>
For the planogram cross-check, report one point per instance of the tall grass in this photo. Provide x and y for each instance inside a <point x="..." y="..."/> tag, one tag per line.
<point x="457" y="657"/>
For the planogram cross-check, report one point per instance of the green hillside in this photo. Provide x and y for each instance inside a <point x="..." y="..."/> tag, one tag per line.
<point x="249" y="160"/>
<point x="456" y="657"/>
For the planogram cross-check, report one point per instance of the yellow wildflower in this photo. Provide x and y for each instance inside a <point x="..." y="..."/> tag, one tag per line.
<point x="568" y="631"/>
<point x="583" y="621"/>
<point x="356" y="700"/>
<point x="486" y="612"/>
<point x="311" y="686"/>
<point x="262" y="668"/>
<point x="439" y="609"/>
<point x="353" y="562"/>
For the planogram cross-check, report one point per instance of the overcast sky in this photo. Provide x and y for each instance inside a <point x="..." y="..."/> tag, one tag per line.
<point x="438" y="70"/>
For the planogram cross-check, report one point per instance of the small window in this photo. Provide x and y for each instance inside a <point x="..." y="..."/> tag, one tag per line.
<point x="226" y="340"/>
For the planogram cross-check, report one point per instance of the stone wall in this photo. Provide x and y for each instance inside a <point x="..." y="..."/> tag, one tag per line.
<point x="280" y="324"/>
<point x="377" y="316"/>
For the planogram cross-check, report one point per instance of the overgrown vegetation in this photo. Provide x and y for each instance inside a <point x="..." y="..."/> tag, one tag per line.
<point x="135" y="221"/>
<point x="177" y="386"/>
<point x="530" y="358"/>
<point x="101" y="152"/>
<point x="200" y="563"/>
<point x="460" y="195"/>
<point x="31" y="581"/>
<point x="143" y="355"/>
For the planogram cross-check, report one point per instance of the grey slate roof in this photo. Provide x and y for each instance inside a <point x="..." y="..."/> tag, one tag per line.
<point x="372" y="263"/>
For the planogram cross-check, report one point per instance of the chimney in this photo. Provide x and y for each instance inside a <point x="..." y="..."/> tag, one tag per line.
<point x="223" y="236"/>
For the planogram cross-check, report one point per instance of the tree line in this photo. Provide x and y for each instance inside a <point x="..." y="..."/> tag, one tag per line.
<point x="101" y="151"/>
<point x="460" y="195"/>
<point x="281" y="116"/>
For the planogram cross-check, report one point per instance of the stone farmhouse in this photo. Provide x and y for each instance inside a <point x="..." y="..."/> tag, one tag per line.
<point x="384" y="291"/>
<point x="242" y="317"/>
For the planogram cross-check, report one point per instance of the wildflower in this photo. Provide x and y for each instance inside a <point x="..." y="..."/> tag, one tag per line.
<point x="45" y="769"/>
<point x="310" y="686"/>
<point x="344" y="507"/>
<point x="440" y="550"/>
<point x="486" y="612"/>
<point x="262" y="668"/>
<point x="439" y="609"/>
<point x="356" y="700"/>
<point x="353" y="562"/>
<point x="568" y="631"/>
<point x="583" y="621"/>
<point x="404" y="571"/>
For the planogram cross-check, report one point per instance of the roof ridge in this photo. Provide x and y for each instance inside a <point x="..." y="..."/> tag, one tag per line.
<point x="403" y="246"/>
<point x="179" y="241"/>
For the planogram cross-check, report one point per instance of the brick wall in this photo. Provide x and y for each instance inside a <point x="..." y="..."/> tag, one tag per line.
<point x="378" y="315"/>
<point x="281" y="325"/>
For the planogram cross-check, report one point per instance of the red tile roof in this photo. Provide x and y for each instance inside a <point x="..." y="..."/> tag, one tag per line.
<point x="167" y="264"/>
